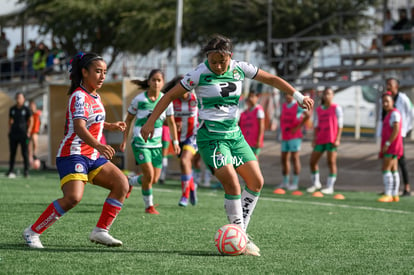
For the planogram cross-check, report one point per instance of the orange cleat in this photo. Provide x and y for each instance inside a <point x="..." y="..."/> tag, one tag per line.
<point x="152" y="210"/>
<point x="385" y="198"/>
<point x="395" y="198"/>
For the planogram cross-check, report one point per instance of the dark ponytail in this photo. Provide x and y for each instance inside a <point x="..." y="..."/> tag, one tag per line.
<point x="143" y="84"/>
<point x="172" y="83"/>
<point x="79" y="62"/>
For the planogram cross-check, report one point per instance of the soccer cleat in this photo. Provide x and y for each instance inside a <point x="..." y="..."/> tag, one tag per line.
<point x="133" y="180"/>
<point x="251" y="249"/>
<point x="395" y="198"/>
<point x="183" y="202"/>
<point x="193" y="196"/>
<point x="406" y="193"/>
<point x="101" y="236"/>
<point x="152" y="210"/>
<point x="314" y="187"/>
<point x="283" y="186"/>
<point x="11" y="175"/>
<point x="328" y="191"/>
<point x="32" y="238"/>
<point x="385" y="198"/>
<point x="293" y="187"/>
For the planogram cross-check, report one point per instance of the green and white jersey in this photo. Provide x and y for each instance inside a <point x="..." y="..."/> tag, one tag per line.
<point x="142" y="107"/>
<point x="218" y="95"/>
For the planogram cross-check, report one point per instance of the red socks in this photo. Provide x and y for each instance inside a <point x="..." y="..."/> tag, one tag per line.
<point x="52" y="213"/>
<point x="110" y="210"/>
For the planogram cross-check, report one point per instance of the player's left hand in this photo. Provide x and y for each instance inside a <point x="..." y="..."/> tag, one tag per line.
<point x="119" y="126"/>
<point x="177" y="149"/>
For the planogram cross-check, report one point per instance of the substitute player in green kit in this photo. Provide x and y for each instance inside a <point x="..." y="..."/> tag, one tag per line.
<point x="218" y="86"/>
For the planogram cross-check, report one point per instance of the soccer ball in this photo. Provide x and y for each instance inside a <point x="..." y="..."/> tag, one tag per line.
<point x="36" y="164"/>
<point x="230" y="240"/>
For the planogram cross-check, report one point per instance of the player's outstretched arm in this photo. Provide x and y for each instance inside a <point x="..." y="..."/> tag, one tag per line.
<point x="279" y="83"/>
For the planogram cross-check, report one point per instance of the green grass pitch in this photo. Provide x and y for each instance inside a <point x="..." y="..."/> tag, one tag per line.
<point x="297" y="235"/>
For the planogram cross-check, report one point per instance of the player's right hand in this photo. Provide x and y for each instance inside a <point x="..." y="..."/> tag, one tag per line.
<point x="307" y="103"/>
<point x="106" y="150"/>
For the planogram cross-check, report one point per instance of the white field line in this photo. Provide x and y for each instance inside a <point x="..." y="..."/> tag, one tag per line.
<point x="339" y="205"/>
<point x="315" y="203"/>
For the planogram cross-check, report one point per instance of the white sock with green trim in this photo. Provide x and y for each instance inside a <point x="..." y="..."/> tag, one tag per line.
<point x="147" y="197"/>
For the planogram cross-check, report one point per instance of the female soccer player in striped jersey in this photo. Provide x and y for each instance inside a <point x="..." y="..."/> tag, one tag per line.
<point x="218" y="86"/>
<point x="82" y="158"/>
<point x="185" y="114"/>
<point x="148" y="152"/>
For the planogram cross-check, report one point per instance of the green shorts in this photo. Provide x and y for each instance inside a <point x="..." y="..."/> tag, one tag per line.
<point x="217" y="151"/>
<point x="329" y="147"/>
<point x="145" y="155"/>
<point x="165" y="144"/>
<point x="292" y="145"/>
<point x="390" y="156"/>
<point x="255" y="150"/>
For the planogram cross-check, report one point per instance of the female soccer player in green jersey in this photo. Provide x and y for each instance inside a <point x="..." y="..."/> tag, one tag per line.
<point x="218" y="86"/>
<point x="148" y="153"/>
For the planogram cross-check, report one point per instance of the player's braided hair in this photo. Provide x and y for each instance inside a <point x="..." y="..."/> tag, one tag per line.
<point x="143" y="84"/>
<point x="80" y="61"/>
<point x="219" y="43"/>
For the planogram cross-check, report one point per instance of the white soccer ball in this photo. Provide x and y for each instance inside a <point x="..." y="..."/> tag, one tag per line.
<point x="230" y="240"/>
<point x="36" y="164"/>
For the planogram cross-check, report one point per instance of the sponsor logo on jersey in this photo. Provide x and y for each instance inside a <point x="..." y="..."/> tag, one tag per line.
<point x="99" y="118"/>
<point x="236" y="74"/>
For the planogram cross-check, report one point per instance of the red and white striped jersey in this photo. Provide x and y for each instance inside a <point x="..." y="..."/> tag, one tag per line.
<point x="84" y="106"/>
<point x="185" y="115"/>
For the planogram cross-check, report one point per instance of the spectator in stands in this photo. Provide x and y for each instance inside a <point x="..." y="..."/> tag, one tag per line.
<point x="20" y="128"/>
<point x="4" y="45"/>
<point x="39" y="61"/>
<point x="4" y="63"/>
<point x="405" y="107"/>
<point x="388" y="23"/>
<point x="29" y="61"/>
<point x="18" y="59"/>
<point x="402" y="24"/>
